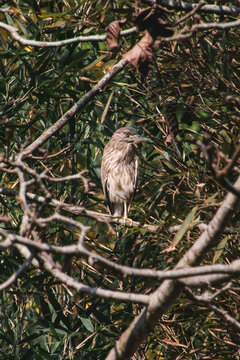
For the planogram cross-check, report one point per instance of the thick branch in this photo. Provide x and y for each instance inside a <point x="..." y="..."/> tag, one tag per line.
<point x="95" y="291"/>
<point x="165" y="295"/>
<point x="195" y="273"/>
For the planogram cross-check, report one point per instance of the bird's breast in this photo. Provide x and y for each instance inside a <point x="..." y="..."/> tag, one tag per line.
<point x="121" y="181"/>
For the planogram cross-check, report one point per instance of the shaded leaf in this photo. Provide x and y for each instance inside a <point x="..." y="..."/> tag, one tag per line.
<point x="183" y="229"/>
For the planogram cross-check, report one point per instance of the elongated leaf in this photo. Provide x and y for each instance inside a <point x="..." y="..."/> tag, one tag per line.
<point x="87" y="323"/>
<point x="220" y="248"/>
<point x="105" y="111"/>
<point x="183" y="229"/>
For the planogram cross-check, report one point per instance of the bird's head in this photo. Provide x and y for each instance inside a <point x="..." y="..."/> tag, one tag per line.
<point x="130" y="135"/>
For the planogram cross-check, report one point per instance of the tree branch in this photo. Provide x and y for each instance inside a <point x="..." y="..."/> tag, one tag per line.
<point x="211" y="9"/>
<point x="167" y="292"/>
<point x="186" y="32"/>
<point x="209" y="150"/>
<point x="193" y="273"/>
<point x="50" y="44"/>
<point x="95" y="291"/>
<point x="74" y="109"/>
<point x="205" y="300"/>
<point x="17" y="273"/>
<point x="80" y="250"/>
<point x="80" y="210"/>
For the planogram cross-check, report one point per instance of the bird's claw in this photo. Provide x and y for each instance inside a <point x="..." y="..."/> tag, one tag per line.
<point x="127" y="221"/>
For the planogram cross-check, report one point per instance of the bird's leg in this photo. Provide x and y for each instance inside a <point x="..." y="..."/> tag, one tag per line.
<point x="125" y="214"/>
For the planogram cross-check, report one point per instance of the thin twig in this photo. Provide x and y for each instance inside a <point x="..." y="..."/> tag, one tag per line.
<point x="208" y="151"/>
<point x="205" y="300"/>
<point x="186" y="32"/>
<point x="191" y="13"/>
<point x="11" y="280"/>
<point x="80" y="210"/>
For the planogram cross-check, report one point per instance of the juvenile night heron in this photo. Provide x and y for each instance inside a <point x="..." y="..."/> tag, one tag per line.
<point x="119" y="170"/>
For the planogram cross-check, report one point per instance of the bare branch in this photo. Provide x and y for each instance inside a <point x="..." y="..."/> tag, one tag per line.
<point x="211" y="9"/>
<point x="206" y="280"/>
<point x="86" y="182"/>
<point x="191" y="13"/>
<point x="74" y="109"/>
<point x="230" y="165"/>
<point x="66" y="150"/>
<point x="26" y="42"/>
<point x="209" y="151"/>
<point x="167" y="292"/>
<point x="17" y="273"/>
<point x="208" y="272"/>
<point x="78" y="176"/>
<point x="210" y="236"/>
<point x="80" y="210"/>
<point x="53" y="269"/>
<point x="80" y="287"/>
<point x="228" y="318"/>
<point x="186" y="32"/>
<point x="207" y="295"/>
<point x="60" y="218"/>
<point x="204" y="299"/>
<point x="7" y="11"/>
<point x="201" y="227"/>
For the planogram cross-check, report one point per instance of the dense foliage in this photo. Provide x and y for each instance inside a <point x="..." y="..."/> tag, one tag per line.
<point x="191" y="89"/>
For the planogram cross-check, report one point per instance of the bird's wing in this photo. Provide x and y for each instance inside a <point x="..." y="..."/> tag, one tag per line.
<point x="105" y="189"/>
<point x="135" y="177"/>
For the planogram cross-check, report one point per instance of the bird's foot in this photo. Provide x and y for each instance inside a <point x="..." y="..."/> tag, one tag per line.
<point x="127" y="221"/>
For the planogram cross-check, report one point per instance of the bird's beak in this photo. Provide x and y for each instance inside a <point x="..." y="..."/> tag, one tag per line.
<point x="138" y="138"/>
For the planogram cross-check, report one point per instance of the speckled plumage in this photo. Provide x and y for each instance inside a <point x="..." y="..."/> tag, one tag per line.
<point x="119" y="170"/>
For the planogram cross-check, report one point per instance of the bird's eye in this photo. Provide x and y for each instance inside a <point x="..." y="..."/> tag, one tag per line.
<point x="127" y="133"/>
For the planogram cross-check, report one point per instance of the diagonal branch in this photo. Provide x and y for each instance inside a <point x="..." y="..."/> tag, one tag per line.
<point x="95" y="291"/>
<point x="201" y="298"/>
<point x="168" y="291"/>
<point x="17" y="273"/>
<point x="74" y="109"/>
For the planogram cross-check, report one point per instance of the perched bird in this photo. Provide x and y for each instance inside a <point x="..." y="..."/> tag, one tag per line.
<point x="119" y="170"/>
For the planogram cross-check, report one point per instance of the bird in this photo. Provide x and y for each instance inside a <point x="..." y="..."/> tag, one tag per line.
<point x="119" y="170"/>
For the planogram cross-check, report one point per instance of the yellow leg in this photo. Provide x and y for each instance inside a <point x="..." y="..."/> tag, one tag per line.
<point x="125" y="213"/>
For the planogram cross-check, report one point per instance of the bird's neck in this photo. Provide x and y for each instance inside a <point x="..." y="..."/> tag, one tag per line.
<point x="127" y="153"/>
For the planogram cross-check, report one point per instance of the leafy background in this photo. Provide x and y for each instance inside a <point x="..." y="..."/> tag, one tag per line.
<point x="192" y="87"/>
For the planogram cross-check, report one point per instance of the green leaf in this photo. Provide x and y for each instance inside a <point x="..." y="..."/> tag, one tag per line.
<point x="186" y="225"/>
<point x="220" y="248"/>
<point x="87" y="323"/>
<point x="105" y="111"/>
